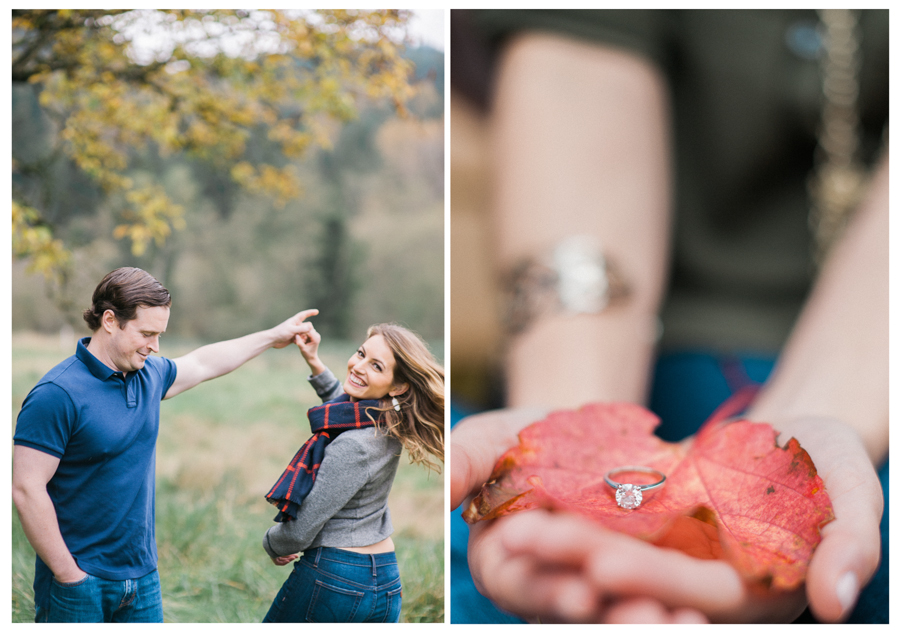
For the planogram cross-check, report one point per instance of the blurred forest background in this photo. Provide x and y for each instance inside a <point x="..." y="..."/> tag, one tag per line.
<point x="256" y="163"/>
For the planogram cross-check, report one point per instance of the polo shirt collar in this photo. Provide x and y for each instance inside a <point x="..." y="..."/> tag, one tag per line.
<point x="95" y="365"/>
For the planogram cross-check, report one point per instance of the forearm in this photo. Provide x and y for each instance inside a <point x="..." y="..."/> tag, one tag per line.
<point x="217" y="359"/>
<point x="581" y="147"/>
<point x="278" y="541"/>
<point x="290" y="537"/>
<point x="836" y="361"/>
<point x="225" y="356"/>
<point x="316" y="366"/>
<point x="38" y="518"/>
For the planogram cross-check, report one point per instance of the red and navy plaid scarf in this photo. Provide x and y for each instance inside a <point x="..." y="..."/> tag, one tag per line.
<point x="326" y="422"/>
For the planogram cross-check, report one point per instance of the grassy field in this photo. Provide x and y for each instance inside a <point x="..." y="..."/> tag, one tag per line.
<point x="221" y="447"/>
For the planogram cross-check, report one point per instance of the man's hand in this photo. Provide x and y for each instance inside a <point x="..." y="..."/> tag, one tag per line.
<point x="72" y="577"/>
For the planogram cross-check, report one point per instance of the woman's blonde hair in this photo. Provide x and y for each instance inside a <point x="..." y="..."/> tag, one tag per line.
<point x="419" y="425"/>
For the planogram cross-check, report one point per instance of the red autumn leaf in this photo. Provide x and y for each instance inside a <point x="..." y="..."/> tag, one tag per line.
<point x="731" y="491"/>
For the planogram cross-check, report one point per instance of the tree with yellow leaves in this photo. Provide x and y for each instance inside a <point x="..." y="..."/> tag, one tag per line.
<point x="209" y="82"/>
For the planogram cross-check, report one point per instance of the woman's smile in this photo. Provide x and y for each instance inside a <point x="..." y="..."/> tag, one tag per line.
<point x="370" y="371"/>
<point x="355" y="380"/>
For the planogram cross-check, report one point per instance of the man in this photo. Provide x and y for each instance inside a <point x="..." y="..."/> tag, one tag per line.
<point x="85" y="452"/>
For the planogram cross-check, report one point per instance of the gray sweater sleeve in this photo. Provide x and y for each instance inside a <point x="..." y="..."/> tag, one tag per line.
<point x="326" y="385"/>
<point x="343" y="472"/>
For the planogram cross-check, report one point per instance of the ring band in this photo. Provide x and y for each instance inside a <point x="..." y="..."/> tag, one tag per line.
<point x="629" y="495"/>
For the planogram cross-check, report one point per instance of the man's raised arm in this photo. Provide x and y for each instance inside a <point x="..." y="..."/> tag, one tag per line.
<point x="214" y="360"/>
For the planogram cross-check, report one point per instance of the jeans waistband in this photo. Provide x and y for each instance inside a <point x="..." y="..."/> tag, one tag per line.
<point x="316" y="554"/>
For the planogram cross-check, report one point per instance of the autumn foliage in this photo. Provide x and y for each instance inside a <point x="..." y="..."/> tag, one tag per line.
<point x="731" y="492"/>
<point x="215" y="78"/>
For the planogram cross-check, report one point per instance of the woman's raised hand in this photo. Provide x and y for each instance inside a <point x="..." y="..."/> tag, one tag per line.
<point x="308" y="342"/>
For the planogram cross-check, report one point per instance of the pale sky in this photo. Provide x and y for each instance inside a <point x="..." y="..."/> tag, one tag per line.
<point x="427" y="26"/>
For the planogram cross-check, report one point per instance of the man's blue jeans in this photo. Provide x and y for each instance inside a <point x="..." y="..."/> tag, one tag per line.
<point x="333" y="585"/>
<point x="95" y="600"/>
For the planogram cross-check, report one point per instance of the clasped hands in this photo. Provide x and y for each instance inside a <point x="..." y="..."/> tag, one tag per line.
<point x="557" y="567"/>
<point x="289" y="330"/>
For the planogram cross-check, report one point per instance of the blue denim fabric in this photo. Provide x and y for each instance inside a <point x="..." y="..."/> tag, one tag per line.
<point x="95" y="600"/>
<point x="333" y="585"/>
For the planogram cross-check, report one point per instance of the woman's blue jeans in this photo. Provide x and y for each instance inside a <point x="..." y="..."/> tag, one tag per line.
<point x="96" y="600"/>
<point x="333" y="585"/>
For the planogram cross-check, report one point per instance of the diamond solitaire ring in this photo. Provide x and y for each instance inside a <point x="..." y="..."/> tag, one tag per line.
<point x="630" y="495"/>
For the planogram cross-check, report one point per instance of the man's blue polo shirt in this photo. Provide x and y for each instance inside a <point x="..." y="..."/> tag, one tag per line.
<point x="103" y="427"/>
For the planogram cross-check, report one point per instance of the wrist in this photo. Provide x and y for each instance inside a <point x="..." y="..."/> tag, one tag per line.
<point x="619" y="373"/>
<point x="801" y="417"/>
<point x="70" y="574"/>
<point x="316" y="366"/>
<point x="275" y="338"/>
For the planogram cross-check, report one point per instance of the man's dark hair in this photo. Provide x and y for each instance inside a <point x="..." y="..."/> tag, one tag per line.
<point x="122" y="291"/>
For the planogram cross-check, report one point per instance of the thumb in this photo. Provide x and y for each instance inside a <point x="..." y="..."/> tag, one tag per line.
<point x="850" y="550"/>
<point x="478" y="442"/>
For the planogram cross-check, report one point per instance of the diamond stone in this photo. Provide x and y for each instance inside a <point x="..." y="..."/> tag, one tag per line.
<point x="629" y="496"/>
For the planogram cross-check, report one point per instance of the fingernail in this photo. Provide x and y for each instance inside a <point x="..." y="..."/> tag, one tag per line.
<point x="847" y="589"/>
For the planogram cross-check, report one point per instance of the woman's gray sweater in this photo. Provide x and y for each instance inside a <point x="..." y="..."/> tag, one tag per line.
<point x="347" y="506"/>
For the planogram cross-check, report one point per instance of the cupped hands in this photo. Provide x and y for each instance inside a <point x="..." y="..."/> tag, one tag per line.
<point x="561" y="567"/>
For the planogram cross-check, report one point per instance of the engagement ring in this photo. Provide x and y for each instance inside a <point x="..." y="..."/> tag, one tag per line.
<point x="630" y="495"/>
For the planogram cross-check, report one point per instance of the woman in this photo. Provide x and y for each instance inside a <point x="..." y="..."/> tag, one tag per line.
<point x="333" y="501"/>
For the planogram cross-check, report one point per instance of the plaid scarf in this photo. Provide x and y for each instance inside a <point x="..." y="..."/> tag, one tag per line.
<point x="326" y="422"/>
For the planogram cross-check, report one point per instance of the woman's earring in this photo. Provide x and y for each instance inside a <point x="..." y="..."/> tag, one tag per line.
<point x="396" y="404"/>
